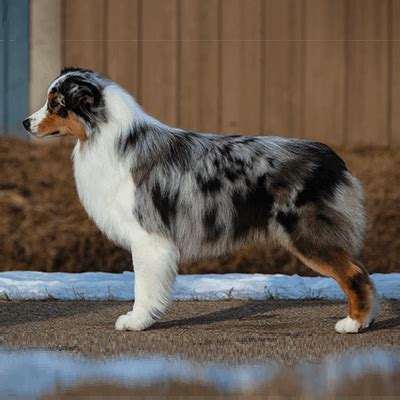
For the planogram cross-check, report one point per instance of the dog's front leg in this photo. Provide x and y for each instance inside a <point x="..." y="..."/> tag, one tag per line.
<point x="155" y="261"/>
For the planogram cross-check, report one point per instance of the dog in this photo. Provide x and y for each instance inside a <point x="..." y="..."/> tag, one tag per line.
<point x="169" y="195"/>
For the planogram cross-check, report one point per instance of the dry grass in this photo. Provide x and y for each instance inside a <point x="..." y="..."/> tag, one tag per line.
<point x="43" y="227"/>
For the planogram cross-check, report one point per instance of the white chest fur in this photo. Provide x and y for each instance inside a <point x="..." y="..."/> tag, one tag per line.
<point x="106" y="191"/>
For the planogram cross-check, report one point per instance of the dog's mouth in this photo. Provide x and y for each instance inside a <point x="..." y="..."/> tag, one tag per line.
<point x="52" y="134"/>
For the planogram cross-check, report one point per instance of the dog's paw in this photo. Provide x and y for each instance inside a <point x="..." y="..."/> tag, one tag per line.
<point x="347" y="325"/>
<point x="120" y="322"/>
<point x="128" y="322"/>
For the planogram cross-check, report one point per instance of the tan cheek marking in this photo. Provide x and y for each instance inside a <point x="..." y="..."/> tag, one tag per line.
<point x="75" y="127"/>
<point x="51" y="96"/>
<point x="69" y="126"/>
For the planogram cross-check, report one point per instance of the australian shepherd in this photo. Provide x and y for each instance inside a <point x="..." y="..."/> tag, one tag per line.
<point x="169" y="195"/>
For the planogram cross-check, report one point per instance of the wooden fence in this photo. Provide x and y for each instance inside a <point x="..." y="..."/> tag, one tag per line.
<point x="14" y="66"/>
<point x="319" y="69"/>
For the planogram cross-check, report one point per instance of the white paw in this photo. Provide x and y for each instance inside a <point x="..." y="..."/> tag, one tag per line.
<point x="132" y="322"/>
<point x="347" y="325"/>
<point x="120" y="323"/>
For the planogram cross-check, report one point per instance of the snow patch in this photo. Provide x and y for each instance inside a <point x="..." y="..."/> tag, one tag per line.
<point x="29" y="285"/>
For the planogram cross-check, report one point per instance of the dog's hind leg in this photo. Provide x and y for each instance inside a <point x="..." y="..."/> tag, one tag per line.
<point x="155" y="262"/>
<point x="354" y="280"/>
<point x="327" y="232"/>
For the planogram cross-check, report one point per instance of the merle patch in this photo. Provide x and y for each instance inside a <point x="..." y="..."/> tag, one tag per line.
<point x="252" y="208"/>
<point x="212" y="229"/>
<point x="165" y="203"/>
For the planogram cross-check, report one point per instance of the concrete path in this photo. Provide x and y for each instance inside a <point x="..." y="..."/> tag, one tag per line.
<point x="219" y="331"/>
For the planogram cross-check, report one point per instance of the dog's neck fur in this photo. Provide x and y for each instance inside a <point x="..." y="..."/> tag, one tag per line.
<point x="125" y="121"/>
<point x="99" y="171"/>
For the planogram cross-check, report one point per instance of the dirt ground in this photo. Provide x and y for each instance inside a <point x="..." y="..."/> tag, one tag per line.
<point x="43" y="227"/>
<point x="226" y="331"/>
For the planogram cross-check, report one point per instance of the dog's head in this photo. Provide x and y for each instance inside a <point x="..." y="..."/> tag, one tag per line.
<point x="74" y="106"/>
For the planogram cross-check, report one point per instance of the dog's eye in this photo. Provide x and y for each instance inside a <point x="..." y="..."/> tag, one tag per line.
<point x="53" y="103"/>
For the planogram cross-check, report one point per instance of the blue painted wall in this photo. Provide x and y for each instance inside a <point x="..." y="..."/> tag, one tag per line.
<point x="14" y="66"/>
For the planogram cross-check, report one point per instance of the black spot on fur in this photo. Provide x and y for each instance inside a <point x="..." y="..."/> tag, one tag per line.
<point x="240" y="171"/>
<point x="231" y="175"/>
<point x="62" y="112"/>
<point x="179" y="152"/>
<point x="165" y="203"/>
<point x="226" y="151"/>
<point x="212" y="229"/>
<point x="247" y="139"/>
<point x="139" y="216"/>
<point x="209" y="186"/>
<point x="239" y="162"/>
<point x="288" y="219"/>
<point x="252" y="208"/>
<point x="127" y="143"/>
<point x="217" y="164"/>
<point x="324" y="179"/>
<point x="271" y="162"/>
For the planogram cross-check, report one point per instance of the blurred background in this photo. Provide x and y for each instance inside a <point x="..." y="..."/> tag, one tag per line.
<point x="316" y="69"/>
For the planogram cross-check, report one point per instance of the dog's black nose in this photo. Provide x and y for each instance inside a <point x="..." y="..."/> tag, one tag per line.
<point x="27" y="123"/>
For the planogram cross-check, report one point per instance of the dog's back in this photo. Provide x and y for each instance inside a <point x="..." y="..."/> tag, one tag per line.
<point x="212" y="193"/>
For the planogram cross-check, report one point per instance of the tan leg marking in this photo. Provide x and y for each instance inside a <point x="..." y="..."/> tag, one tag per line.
<point x="351" y="277"/>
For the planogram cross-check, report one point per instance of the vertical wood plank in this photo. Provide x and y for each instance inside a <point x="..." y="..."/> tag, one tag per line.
<point x="284" y="68"/>
<point x="367" y="90"/>
<point x="45" y="44"/>
<point x="3" y="63"/>
<point x="159" y="61"/>
<point x="241" y="66"/>
<point x="395" y="75"/>
<point x="122" y="58"/>
<point x="84" y="34"/>
<point x="198" y="97"/>
<point x="18" y="66"/>
<point x="325" y="70"/>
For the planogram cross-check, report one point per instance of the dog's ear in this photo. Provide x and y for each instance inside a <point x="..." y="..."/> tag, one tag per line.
<point x="82" y="95"/>
<point x="86" y="100"/>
